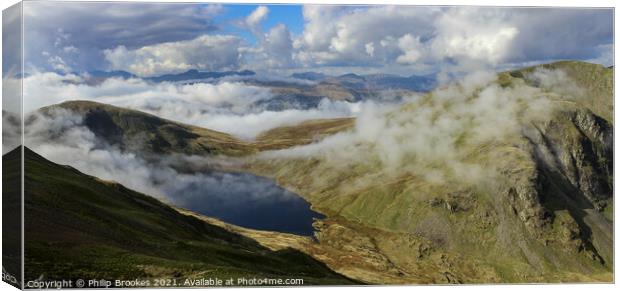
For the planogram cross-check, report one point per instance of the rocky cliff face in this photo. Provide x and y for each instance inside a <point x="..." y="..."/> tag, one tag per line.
<point x="573" y="156"/>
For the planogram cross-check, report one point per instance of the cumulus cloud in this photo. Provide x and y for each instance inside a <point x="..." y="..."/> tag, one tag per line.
<point x="210" y="52"/>
<point x="410" y="47"/>
<point x="133" y="25"/>
<point x="380" y="35"/>
<point x="165" y="38"/>
<point x="274" y="49"/>
<point x="337" y="35"/>
<point x="437" y="136"/>
<point x="479" y="34"/>
<point x="255" y="20"/>
<point x="206" y="52"/>
<point x="278" y="46"/>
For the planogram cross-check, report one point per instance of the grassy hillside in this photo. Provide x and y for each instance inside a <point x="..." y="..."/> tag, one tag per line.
<point x="142" y="132"/>
<point x="78" y="226"/>
<point x="300" y="134"/>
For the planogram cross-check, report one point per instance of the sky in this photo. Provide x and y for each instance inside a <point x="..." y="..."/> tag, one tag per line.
<point x="149" y="39"/>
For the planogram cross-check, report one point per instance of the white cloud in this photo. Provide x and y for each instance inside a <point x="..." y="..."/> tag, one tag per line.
<point x="361" y="36"/>
<point x="437" y="137"/>
<point x="478" y="34"/>
<point x="278" y="46"/>
<point x="411" y="49"/>
<point x="247" y="126"/>
<point x="45" y="89"/>
<point x="61" y="137"/>
<point x="110" y="24"/>
<point x="213" y="9"/>
<point x="70" y="50"/>
<point x="255" y="20"/>
<point x="206" y="52"/>
<point x="58" y="64"/>
<point x="332" y="35"/>
<point x="408" y="35"/>
<point x="227" y="106"/>
<point x="274" y="49"/>
<point x="370" y="49"/>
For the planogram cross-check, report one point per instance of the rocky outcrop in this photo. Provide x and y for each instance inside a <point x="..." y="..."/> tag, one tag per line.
<point x="573" y="153"/>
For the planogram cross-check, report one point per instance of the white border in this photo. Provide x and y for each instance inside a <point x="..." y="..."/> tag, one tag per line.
<point x="513" y="3"/>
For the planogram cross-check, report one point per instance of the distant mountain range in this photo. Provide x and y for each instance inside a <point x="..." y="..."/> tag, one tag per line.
<point x="374" y="81"/>
<point x="351" y="81"/>
<point x="112" y="74"/>
<point x="198" y="75"/>
<point x="299" y="90"/>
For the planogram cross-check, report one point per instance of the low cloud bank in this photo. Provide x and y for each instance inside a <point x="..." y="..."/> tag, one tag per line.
<point x="181" y="180"/>
<point x="438" y="136"/>
<point x="229" y="106"/>
<point x="435" y="136"/>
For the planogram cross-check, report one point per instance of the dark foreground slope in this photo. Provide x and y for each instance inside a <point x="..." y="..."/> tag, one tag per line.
<point x="78" y="226"/>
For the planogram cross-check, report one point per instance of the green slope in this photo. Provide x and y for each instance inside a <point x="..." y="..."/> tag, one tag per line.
<point x="148" y="134"/>
<point x="78" y="226"/>
<point x="596" y="80"/>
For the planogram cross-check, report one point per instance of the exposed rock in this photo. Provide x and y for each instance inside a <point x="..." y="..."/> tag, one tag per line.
<point x="459" y="201"/>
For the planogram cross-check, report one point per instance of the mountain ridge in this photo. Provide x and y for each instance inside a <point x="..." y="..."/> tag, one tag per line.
<point x="194" y="74"/>
<point x="119" y="125"/>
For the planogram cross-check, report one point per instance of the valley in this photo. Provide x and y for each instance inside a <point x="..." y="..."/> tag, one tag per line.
<point x="103" y="230"/>
<point x="506" y="180"/>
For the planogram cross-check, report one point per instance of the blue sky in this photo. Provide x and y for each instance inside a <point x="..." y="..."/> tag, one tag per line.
<point x="289" y="15"/>
<point x="157" y="38"/>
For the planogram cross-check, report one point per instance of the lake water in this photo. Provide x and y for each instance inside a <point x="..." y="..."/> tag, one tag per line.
<point x="246" y="200"/>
